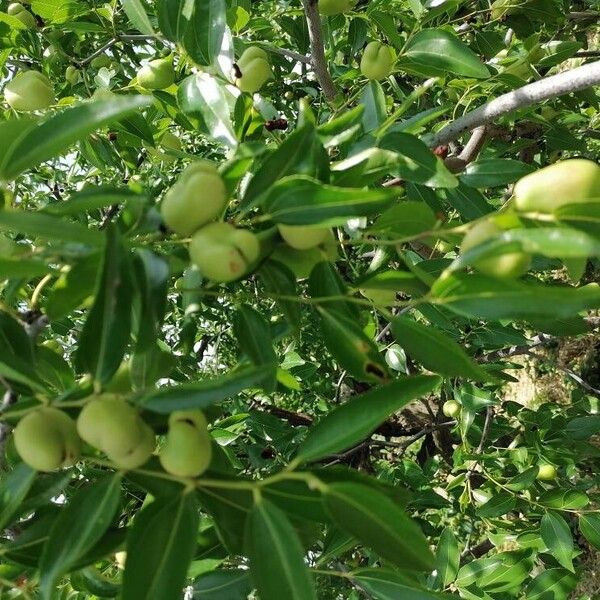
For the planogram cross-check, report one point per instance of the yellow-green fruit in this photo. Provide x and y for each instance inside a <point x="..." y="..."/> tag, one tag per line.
<point x="302" y="238"/>
<point x="451" y="409"/>
<point x="575" y="181"/>
<point x="72" y="74"/>
<point x="193" y="417"/>
<point x="121" y="380"/>
<point x="187" y="451"/>
<point x="111" y="425"/>
<point x="101" y="61"/>
<point x="504" y="266"/>
<point x="253" y="70"/>
<point x="222" y="252"/>
<point x="138" y="455"/>
<point x="157" y="74"/>
<point x="29" y="90"/>
<point x="18" y="11"/>
<point x="46" y="439"/>
<point x="199" y="196"/>
<point x="377" y="61"/>
<point x="328" y="8"/>
<point x="546" y="472"/>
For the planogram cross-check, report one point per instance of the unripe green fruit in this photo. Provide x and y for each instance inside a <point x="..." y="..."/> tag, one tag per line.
<point x="72" y="74"/>
<point x="546" y="472"/>
<point x="29" y="90"/>
<point x="575" y="181"/>
<point x="101" y="61"/>
<point x="377" y="61"/>
<point x="329" y="8"/>
<point x="504" y="266"/>
<point x="157" y="74"/>
<point x="451" y="409"/>
<point x="121" y="380"/>
<point x="46" y="439"/>
<point x="193" y="417"/>
<point x="138" y="455"/>
<point x="222" y="252"/>
<point x="254" y="70"/>
<point x="18" y="11"/>
<point x="199" y="196"/>
<point x="302" y="238"/>
<point x="187" y="451"/>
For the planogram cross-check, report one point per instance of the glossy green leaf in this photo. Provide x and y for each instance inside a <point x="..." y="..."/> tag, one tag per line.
<point x="80" y="525"/>
<point x="379" y="523"/>
<point x="553" y="584"/>
<point x="13" y="490"/>
<point x="384" y="584"/>
<point x="494" y="172"/>
<point x="222" y="584"/>
<point x="276" y="555"/>
<point x="436" y="351"/>
<point x="447" y="559"/>
<point x="406" y="219"/>
<point x="568" y="499"/>
<point x="280" y="281"/>
<point x="253" y="334"/>
<point x="581" y="216"/>
<point x="557" y="537"/>
<point x="360" y="416"/>
<point x="91" y="198"/>
<point x="498" y="505"/>
<point x="375" y="109"/>
<point x="135" y="12"/>
<point x="589" y="525"/>
<point x="160" y="547"/>
<point x="205" y="31"/>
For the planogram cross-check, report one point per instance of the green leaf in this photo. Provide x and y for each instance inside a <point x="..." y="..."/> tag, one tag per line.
<point x="15" y="486"/>
<point x="589" y="525"/>
<point x="564" y="499"/>
<point x="436" y="351"/>
<point x="57" y="134"/>
<point x="160" y="547"/>
<point x="359" y="417"/>
<point x="437" y="52"/>
<point x="280" y="281"/>
<point x="253" y="334"/>
<point x="553" y="584"/>
<point x="498" y="505"/>
<point x="80" y="525"/>
<point x="494" y="172"/>
<point x="173" y="17"/>
<point x="202" y="96"/>
<point x="581" y="216"/>
<point x="137" y="15"/>
<point x="375" y="108"/>
<point x="222" y="584"/>
<point x="91" y="198"/>
<point x="300" y="200"/>
<point x="554" y="242"/>
<point x="379" y="523"/>
<point x="205" y="31"/>
<point x="205" y="393"/>
<point x="276" y="555"/>
<point x="406" y="219"/>
<point x="383" y="584"/>
<point x="447" y="559"/>
<point x="557" y="537"/>
<point x="107" y="329"/>
<point x="22" y="268"/>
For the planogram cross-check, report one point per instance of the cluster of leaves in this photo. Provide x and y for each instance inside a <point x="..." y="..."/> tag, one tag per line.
<point x="316" y="488"/>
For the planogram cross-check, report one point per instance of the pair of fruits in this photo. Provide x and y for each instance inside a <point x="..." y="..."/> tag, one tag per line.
<point x="113" y="426"/>
<point x="17" y="10"/>
<point x="575" y="181"/>
<point x="187" y="451"/>
<point x="222" y="252"/>
<point x="158" y="74"/>
<point x="29" y="91"/>
<point x="252" y="70"/>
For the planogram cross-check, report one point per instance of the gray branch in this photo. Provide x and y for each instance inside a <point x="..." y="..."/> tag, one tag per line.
<point x="551" y="87"/>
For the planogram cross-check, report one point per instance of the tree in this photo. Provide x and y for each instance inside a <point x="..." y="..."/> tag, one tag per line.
<point x="268" y="270"/>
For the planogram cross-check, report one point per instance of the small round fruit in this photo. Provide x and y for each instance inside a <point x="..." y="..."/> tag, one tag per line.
<point x="451" y="409"/>
<point x="574" y="181"/>
<point x="138" y="455"/>
<point x="72" y="75"/>
<point x="302" y="238"/>
<point x="546" y="472"/>
<point x="18" y="11"/>
<point x="222" y="252"/>
<point x="505" y="266"/>
<point x="187" y="451"/>
<point x="157" y="74"/>
<point x="377" y="61"/>
<point x="253" y="70"/>
<point x="28" y="91"/>
<point x="198" y="196"/>
<point x="329" y="8"/>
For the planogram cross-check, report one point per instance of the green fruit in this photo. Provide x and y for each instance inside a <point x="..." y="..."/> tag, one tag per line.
<point x="187" y="451"/>
<point x="377" y="61"/>
<point x="253" y="70"/>
<point x="46" y="439"/>
<point x="198" y="197"/>
<point x="29" y="90"/>
<point x="157" y="74"/>
<point x="192" y="417"/>
<point x="575" y="181"/>
<point x="546" y="472"/>
<point x="302" y="238"/>
<point x="329" y="8"/>
<point x="111" y="425"/>
<point x="72" y="75"/>
<point x="18" y="11"/>
<point x="451" y="409"/>
<point x="101" y="61"/>
<point x="505" y="266"/>
<point x="222" y="252"/>
<point x="138" y="455"/>
<point x="121" y="380"/>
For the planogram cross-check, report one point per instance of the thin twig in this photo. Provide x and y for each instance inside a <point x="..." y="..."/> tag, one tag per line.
<point x="297" y="56"/>
<point x="111" y="43"/>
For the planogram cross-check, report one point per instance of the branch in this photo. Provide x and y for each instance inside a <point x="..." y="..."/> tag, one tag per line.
<point x="551" y="87"/>
<point x="317" y="49"/>
<point x="297" y="56"/>
<point x="111" y="43"/>
<point x="470" y="152"/>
